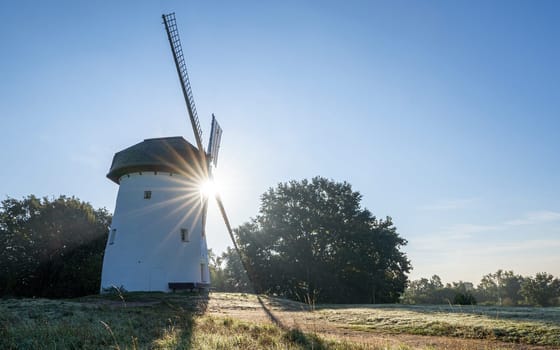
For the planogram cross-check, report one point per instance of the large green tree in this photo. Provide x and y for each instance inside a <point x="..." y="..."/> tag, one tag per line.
<point x="313" y="240"/>
<point x="51" y="247"/>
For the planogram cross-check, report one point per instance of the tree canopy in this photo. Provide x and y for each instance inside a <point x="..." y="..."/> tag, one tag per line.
<point x="313" y="240"/>
<point x="543" y="289"/>
<point x="51" y="247"/>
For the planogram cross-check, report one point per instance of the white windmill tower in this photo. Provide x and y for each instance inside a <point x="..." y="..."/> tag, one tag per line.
<point x="157" y="240"/>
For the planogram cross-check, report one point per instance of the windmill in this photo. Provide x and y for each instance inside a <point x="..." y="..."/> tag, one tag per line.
<point x="157" y="239"/>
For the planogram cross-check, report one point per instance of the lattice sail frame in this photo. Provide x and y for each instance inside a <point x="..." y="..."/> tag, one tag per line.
<point x="179" y="58"/>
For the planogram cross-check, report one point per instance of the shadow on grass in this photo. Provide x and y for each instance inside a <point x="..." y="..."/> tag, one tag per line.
<point x="270" y="315"/>
<point x="287" y="304"/>
<point x="294" y="335"/>
<point x="174" y="326"/>
<point x="125" y="321"/>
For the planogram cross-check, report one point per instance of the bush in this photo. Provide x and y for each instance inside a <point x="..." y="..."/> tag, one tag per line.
<point x="464" y="299"/>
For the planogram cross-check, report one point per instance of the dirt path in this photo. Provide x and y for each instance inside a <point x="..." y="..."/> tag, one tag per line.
<point x="296" y="315"/>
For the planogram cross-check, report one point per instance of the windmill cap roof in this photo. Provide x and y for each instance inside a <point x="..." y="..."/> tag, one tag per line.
<point x="166" y="154"/>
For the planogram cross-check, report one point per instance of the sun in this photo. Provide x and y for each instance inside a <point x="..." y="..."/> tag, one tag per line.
<point x="208" y="188"/>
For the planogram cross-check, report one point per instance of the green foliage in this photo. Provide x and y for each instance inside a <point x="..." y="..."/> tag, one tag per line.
<point x="432" y="291"/>
<point x="216" y="271"/>
<point x="426" y="291"/>
<point x="51" y="247"/>
<point x="543" y="289"/>
<point x="312" y="240"/>
<point x="464" y="298"/>
<point x="235" y="276"/>
<point x="227" y="272"/>
<point x="500" y="288"/>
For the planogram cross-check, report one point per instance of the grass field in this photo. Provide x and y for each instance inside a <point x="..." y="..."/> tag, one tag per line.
<point x="526" y="325"/>
<point x="237" y="321"/>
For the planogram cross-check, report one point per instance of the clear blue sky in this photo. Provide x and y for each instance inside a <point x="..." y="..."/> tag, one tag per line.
<point x="443" y="114"/>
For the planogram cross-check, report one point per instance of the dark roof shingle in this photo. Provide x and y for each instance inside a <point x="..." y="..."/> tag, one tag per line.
<point x="166" y="154"/>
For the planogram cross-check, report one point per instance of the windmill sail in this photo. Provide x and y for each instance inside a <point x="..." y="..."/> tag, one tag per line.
<point x="214" y="142"/>
<point x="175" y="42"/>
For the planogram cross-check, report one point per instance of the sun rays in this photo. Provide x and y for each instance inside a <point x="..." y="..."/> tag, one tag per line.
<point x="209" y="188"/>
<point x="192" y="187"/>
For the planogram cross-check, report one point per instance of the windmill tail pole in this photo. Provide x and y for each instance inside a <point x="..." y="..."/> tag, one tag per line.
<point x="248" y="269"/>
<point x="246" y="266"/>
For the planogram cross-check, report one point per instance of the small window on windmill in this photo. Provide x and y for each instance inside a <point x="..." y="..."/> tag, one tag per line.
<point x="147" y="194"/>
<point x="112" y="236"/>
<point x="184" y="235"/>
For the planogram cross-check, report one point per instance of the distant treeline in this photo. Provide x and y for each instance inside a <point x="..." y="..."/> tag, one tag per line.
<point x="503" y="288"/>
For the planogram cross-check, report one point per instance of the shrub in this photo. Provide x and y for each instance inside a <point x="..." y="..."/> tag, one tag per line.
<point x="464" y="299"/>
